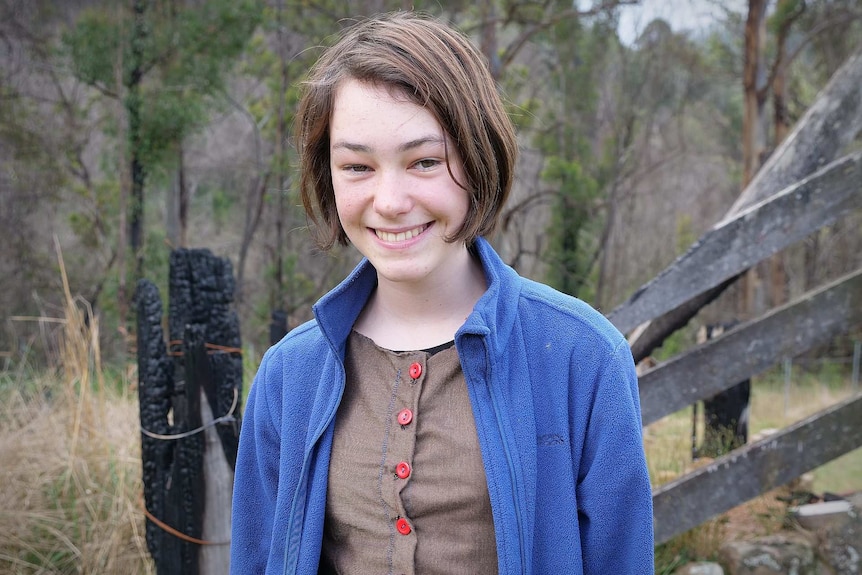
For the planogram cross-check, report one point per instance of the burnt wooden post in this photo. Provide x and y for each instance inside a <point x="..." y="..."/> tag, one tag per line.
<point x="725" y="414"/>
<point x="155" y="387"/>
<point x="278" y="326"/>
<point x="189" y="402"/>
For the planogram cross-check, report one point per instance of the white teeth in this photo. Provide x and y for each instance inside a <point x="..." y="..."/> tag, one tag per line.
<point x="400" y="236"/>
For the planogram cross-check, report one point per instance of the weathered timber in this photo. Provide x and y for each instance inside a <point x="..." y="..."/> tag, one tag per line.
<point x="755" y="469"/>
<point x="183" y="500"/>
<point x="216" y="478"/>
<point x="830" y="124"/>
<point x="201" y="292"/>
<point x="202" y="317"/>
<point x="651" y="334"/>
<point x="787" y="331"/>
<point x="752" y="236"/>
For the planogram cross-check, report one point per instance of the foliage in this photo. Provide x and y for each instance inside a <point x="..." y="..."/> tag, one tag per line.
<point x="72" y="508"/>
<point x="609" y="130"/>
<point x="572" y="142"/>
<point x="569" y="235"/>
<point x="157" y="58"/>
<point x="184" y="68"/>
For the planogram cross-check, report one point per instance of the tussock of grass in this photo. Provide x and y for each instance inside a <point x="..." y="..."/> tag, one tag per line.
<point x="70" y="461"/>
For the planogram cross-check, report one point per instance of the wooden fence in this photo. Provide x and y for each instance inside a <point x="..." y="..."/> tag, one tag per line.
<point x="802" y="188"/>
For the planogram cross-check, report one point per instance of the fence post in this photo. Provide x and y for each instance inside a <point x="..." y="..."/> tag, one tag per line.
<point x="188" y="461"/>
<point x="277" y="326"/>
<point x="788" y="372"/>
<point x="217" y="475"/>
<point x="155" y="388"/>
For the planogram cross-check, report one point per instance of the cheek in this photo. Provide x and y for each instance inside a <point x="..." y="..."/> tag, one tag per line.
<point x="346" y="208"/>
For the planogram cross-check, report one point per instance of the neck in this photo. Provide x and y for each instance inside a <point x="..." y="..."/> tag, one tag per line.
<point x="421" y="315"/>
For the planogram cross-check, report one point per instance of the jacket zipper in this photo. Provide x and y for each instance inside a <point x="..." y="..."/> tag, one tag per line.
<point x="292" y="555"/>
<point x="513" y="479"/>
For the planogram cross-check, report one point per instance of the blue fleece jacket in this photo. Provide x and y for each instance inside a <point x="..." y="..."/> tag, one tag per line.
<point x="554" y="394"/>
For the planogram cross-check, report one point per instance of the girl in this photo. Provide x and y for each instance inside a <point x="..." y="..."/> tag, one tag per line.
<point x="440" y="414"/>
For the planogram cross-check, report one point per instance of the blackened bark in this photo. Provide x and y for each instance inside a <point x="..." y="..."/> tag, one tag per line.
<point x="202" y="289"/>
<point x="204" y="358"/>
<point x="155" y="388"/>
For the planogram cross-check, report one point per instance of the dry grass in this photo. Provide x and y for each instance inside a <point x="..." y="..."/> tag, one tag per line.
<point x="668" y="441"/>
<point x="70" y="461"/>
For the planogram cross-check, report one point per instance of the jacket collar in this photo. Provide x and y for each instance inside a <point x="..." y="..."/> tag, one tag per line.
<point x="493" y="315"/>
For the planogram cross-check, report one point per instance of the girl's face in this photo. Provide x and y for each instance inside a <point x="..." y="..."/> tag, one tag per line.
<point x="394" y="194"/>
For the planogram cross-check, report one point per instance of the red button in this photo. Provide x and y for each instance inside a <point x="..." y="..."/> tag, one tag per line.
<point x="402" y="470"/>
<point x="405" y="416"/>
<point x="415" y="370"/>
<point x="403" y="527"/>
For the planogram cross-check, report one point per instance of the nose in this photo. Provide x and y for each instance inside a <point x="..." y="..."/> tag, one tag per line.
<point x="392" y="196"/>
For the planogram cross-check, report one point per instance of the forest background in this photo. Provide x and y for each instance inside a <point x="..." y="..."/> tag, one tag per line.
<point x="131" y="128"/>
<point x="128" y="129"/>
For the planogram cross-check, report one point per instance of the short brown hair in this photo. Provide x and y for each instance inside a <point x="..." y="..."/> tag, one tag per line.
<point x="434" y="66"/>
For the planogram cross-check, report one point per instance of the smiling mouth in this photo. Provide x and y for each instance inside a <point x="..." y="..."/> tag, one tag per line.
<point x="400" y="236"/>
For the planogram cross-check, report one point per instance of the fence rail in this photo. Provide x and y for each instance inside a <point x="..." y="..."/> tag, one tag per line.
<point x="756" y="468"/>
<point x="792" y="195"/>
<point x="811" y="320"/>
<point x="752" y="236"/>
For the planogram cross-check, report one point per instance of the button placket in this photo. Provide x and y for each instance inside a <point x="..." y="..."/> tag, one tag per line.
<point x="403" y="443"/>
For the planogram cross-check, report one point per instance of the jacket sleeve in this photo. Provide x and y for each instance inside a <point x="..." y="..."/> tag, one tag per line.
<point x="256" y="477"/>
<point x="613" y="491"/>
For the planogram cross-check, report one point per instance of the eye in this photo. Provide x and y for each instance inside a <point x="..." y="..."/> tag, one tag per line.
<point x="356" y="168"/>
<point x="427" y="164"/>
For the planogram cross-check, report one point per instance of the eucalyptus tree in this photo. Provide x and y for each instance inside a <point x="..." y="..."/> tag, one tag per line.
<point x="164" y="62"/>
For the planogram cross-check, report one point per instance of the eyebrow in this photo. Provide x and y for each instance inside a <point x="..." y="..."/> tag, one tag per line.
<point x="354" y="147"/>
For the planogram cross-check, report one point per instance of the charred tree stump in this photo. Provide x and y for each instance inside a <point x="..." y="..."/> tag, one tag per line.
<point x="189" y="403"/>
<point x="201" y="293"/>
<point x="155" y="388"/>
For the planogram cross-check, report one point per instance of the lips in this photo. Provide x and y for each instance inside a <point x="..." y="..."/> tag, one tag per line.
<point x="395" y="237"/>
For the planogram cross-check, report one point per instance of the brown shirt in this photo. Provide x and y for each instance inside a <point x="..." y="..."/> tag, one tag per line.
<point x="407" y="489"/>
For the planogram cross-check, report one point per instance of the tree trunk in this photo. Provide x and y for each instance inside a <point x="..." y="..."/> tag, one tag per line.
<point x="754" y="93"/>
<point x="133" y="108"/>
<point x="184" y="199"/>
<point x="123" y="169"/>
<point x="489" y="43"/>
<point x="177" y="205"/>
<point x="278" y="293"/>
<point x="253" y="211"/>
<point x="753" y="139"/>
<point x="778" y="289"/>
